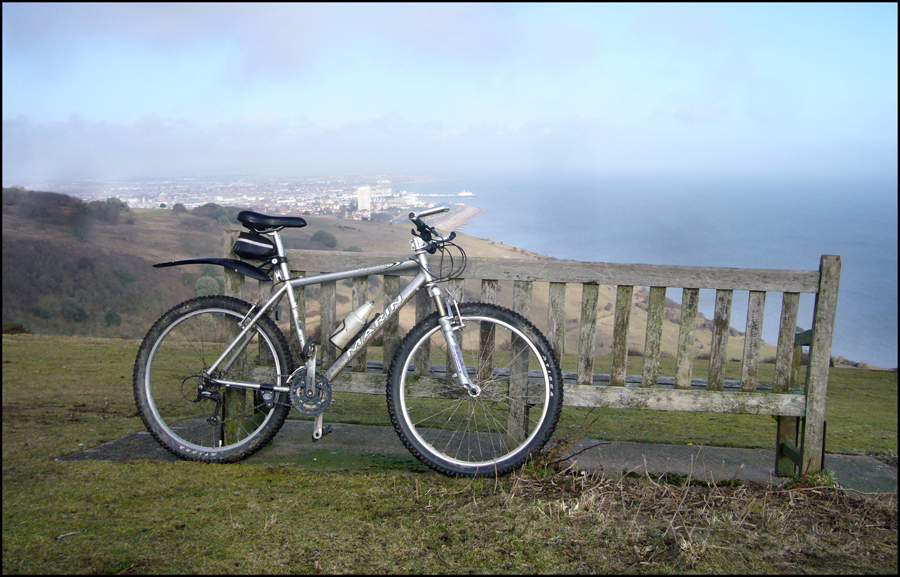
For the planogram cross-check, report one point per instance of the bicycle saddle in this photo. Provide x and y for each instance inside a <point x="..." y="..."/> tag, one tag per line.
<point x="257" y="221"/>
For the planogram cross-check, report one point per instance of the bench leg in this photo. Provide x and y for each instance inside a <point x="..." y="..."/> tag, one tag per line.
<point x="786" y="451"/>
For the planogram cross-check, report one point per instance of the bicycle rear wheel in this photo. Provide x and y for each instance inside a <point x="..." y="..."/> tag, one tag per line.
<point x="494" y="431"/>
<point x="223" y="424"/>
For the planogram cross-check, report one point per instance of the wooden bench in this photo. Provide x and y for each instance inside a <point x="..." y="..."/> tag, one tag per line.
<point x="796" y="400"/>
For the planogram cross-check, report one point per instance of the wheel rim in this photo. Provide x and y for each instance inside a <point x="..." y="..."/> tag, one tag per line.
<point x="476" y="432"/>
<point x="189" y="345"/>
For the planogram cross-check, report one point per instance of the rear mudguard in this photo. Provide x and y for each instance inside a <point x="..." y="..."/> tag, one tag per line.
<point x="235" y="265"/>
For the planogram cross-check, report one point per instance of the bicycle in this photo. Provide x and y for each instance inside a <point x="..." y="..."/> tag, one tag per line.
<point x="214" y="378"/>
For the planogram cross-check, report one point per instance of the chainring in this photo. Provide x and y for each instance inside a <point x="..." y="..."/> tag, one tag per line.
<point x="306" y="405"/>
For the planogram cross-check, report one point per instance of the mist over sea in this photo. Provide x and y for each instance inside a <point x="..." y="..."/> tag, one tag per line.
<point x="727" y="222"/>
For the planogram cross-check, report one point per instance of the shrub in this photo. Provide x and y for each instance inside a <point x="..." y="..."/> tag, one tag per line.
<point x="15" y="329"/>
<point x="71" y="310"/>
<point x="108" y="210"/>
<point x="12" y="195"/>
<point x="325" y="238"/>
<point x="41" y="312"/>
<point x="112" y="318"/>
<point x="206" y="285"/>
<point x="124" y="276"/>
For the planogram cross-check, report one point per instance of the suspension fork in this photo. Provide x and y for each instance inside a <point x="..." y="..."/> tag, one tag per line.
<point x="450" y="325"/>
<point x="450" y="322"/>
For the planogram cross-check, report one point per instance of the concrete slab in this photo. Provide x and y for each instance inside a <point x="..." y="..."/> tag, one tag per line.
<point x="370" y="446"/>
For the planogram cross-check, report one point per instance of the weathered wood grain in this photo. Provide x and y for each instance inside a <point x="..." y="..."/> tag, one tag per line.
<point x="392" y="326"/>
<point x="423" y="356"/>
<point x="655" y="307"/>
<point x="684" y="360"/>
<point x="804" y="338"/>
<point x="630" y="397"/>
<point x="358" y="297"/>
<point x="522" y="291"/>
<point x="489" y="290"/>
<point x="617" y="389"/>
<point x="234" y="281"/>
<point x="328" y="316"/>
<point x="717" y="349"/>
<point x="819" y="361"/>
<point x="556" y="321"/>
<point x="772" y="280"/>
<point x="486" y="332"/>
<point x="624" y="295"/>
<point x="753" y="340"/>
<point x="784" y="353"/>
<point x="786" y="433"/>
<point x="588" y="332"/>
<point x="684" y="400"/>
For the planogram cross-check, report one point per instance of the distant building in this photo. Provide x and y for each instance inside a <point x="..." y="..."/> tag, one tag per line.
<point x="364" y="198"/>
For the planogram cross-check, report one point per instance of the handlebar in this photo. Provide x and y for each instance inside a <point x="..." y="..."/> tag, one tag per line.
<point x="427" y="233"/>
<point x="413" y="216"/>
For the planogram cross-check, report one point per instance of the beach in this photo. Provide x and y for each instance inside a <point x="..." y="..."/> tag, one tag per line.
<point x="455" y="220"/>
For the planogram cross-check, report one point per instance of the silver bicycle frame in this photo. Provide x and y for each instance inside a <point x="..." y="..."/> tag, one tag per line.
<point x="422" y="279"/>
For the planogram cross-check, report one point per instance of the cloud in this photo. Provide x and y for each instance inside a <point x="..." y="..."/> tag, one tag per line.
<point x="286" y="41"/>
<point x="692" y="27"/>
<point x="265" y="143"/>
<point x="700" y="113"/>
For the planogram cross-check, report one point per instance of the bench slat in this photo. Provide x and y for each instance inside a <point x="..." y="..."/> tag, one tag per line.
<point x="556" y="320"/>
<point x="784" y="354"/>
<point x="631" y="397"/>
<point x="587" y="335"/>
<point x="756" y="307"/>
<point x="604" y="273"/>
<point x="717" y="349"/>
<point x="684" y="359"/>
<point x="655" y="308"/>
<point x="624" y="295"/>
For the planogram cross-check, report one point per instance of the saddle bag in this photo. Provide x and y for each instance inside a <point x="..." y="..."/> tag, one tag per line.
<point x="254" y="246"/>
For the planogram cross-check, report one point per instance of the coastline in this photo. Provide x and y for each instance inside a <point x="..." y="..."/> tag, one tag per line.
<point x="456" y="220"/>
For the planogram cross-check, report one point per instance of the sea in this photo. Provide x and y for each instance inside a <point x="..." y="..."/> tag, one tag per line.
<point x="770" y="223"/>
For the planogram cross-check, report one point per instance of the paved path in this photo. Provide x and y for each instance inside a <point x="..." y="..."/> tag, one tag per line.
<point x="380" y="445"/>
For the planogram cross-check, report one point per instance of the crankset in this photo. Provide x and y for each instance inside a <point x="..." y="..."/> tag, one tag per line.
<point x="309" y="405"/>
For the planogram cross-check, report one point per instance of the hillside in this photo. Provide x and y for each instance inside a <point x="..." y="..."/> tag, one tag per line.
<point x="73" y="268"/>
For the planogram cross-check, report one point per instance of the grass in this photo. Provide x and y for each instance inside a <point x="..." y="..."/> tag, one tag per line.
<point x="63" y="394"/>
<point x="861" y="415"/>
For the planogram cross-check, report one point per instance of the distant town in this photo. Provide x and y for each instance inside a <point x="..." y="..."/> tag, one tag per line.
<point x="358" y="197"/>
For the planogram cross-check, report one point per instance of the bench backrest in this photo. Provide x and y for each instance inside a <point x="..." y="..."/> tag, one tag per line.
<point x="789" y="394"/>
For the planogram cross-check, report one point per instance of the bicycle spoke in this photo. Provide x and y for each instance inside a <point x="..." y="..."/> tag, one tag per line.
<point x="185" y="408"/>
<point x="495" y="428"/>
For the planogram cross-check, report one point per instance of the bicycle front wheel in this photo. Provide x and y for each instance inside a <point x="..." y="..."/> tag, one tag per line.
<point x="187" y="413"/>
<point x="494" y="429"/>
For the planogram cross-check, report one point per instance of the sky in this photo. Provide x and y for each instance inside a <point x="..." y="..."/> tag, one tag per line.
<point x="104" y="91"/>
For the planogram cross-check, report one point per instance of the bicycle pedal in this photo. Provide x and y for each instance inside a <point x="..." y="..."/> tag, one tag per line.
<point x="325" y="431"/>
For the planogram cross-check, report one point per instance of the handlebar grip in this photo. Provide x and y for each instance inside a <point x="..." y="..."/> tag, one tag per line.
<point x="413" y="216"/>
